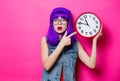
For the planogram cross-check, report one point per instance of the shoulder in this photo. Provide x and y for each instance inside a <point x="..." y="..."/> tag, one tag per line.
<point x="79" y="44"/>
<point x="43" y="40"/>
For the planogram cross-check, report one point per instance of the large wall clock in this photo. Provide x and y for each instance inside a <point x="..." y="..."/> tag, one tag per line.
<point x="88" y="24"/>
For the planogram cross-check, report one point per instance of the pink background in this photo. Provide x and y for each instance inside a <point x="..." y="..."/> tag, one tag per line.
<point x="24" y="22"/>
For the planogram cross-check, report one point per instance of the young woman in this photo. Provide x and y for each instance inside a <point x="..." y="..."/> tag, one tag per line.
<point x="59" y="48"/>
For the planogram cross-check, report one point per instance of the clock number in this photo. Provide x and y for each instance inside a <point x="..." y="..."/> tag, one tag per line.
<point x="90" y="32"/>
<point x="96" y="22"/>
<point x="93" y="18"/>
<point x="79" y="23"/>
<point x="90" y="16"/>
<point x="96" y="26"/>
<point x="94" y="30"/>
<point x="82" y="31"/>
<point x="86" y="33"/>
<point x="81" y="19"/>
<point x="79" y="27"/>
<point x="85" y="16"/>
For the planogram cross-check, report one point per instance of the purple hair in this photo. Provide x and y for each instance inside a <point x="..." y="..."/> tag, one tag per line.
<point x="52" y="36"/>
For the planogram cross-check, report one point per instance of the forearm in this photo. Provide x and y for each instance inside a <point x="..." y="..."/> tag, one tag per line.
<point x="53" y="57"/>
<point x="94" y="48"/>
<point x="93" y="55"/>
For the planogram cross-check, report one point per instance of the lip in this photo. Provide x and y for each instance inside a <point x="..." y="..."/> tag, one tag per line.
<point x="59" y="28"/>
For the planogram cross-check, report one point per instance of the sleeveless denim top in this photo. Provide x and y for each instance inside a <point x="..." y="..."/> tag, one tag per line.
<point x="66" y="60"/>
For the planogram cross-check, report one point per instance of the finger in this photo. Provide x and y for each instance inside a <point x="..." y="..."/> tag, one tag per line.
<point x="65" y="34"/>
<point x="72" y="34"/>
<point x="101" y="27"/>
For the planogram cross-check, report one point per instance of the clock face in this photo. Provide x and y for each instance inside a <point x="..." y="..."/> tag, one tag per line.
<point x="88" y="24"/>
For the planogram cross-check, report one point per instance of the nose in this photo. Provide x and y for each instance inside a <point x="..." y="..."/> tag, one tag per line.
<point x="59" y="22"/>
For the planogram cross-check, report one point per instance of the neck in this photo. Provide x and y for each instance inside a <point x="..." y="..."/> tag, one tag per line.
<point x="60" y="36"/>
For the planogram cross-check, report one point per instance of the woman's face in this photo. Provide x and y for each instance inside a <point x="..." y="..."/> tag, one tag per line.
<point x="60" y="24"/>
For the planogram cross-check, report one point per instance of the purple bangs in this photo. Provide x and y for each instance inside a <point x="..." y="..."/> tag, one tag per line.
<point x="52" y="36"/>
<point x="59" y="15"/>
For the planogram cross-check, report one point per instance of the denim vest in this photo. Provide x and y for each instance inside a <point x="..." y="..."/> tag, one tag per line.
<point x="66" y="60"/>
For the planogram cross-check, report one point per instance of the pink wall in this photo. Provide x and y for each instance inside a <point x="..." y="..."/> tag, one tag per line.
<point x="24" y="22"/>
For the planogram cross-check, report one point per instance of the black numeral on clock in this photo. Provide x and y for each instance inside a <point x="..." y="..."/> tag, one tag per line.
<point x="93" y="18"/>
<point x="96" y="26"/>
<point x="96" y="22"/>
<point x="79" y="27"/>
<point x="86" y="33"/>
<point x="81" y="19"/>
<point x="82" y="31"/>
<point x="79" y="23"/>
<point x="85" y="16"/>
<point x="90" y="32"/>
<point x="90" y="16"/>
<point x="94" y="30"/>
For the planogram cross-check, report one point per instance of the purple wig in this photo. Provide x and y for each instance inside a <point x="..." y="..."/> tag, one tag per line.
<point x="52" y="35"/>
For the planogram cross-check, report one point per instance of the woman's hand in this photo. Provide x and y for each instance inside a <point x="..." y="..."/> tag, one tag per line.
<point x="99" y="34"/>
<point x="66" y="40"/>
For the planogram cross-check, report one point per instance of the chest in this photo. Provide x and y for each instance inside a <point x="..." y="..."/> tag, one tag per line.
<point x="68" y="54"/>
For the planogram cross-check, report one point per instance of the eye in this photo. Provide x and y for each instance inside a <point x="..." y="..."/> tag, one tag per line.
<point x="55" y="19"/>
<point x="64" y="19"/>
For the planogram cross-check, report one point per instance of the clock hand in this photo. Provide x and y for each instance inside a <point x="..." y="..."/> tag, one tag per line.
<point x="82" y="23"/>
<point x="87" y="22"/>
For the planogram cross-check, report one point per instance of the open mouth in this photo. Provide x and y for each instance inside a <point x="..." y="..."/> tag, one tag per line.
<point x="59" y="28"/>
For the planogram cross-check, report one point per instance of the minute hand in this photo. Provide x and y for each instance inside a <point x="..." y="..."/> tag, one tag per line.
<point x="87" y="22"/>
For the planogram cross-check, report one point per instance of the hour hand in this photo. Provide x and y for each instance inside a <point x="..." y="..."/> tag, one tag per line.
<point x="81" y="23"/>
